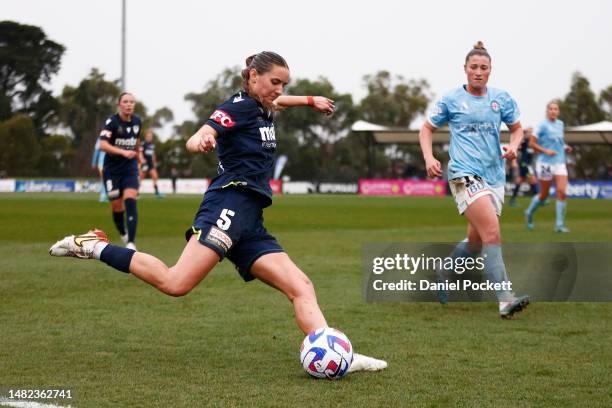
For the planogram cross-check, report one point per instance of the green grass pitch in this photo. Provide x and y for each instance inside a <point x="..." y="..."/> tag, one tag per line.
<point x="116" y="342"/>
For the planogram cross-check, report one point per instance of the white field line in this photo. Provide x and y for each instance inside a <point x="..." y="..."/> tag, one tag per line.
<point x="5" y="402"/>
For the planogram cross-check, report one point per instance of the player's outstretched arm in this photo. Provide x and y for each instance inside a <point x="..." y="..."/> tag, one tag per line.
<point x="319" y="104"/>
<point x="202" y="141"/>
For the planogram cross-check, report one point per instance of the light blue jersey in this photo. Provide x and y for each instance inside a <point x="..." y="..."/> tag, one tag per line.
<point x="97" y="159"/>
<point x="474" y="123"/>
<point x="550" y="136"/>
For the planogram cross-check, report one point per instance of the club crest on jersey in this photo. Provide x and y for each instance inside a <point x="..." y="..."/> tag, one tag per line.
<point x="136" y="128"/>
<point x="495" y="106"/>
<point x="222" y="118"/>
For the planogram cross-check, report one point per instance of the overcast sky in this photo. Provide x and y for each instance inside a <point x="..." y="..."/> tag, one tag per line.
<point x="175" y="47"/>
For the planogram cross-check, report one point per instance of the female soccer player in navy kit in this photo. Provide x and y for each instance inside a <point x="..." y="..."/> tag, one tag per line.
<point x="120" y="140"/>
<point x="476" y="170"/>
<point x="550" y="165"/>
<point x="229" y="222"/>
<point x="148" y="161"/>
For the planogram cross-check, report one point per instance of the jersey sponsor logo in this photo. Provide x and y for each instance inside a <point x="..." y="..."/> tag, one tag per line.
<point x="222" y="118"/>
<point x="495" y="106"/>
<point x="267" y="133"/>
<point x="127" y="143"/>
<point x="106" y="133"/>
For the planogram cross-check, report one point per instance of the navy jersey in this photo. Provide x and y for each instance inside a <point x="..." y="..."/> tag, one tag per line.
<point x="148" y="151"/>
<point x="246" y="144"/>
<point x="525" y="152"/>
<point x="123" y="135"/>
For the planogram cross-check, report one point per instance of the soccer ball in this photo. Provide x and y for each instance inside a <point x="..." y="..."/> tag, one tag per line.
<point x="326" y="353"/>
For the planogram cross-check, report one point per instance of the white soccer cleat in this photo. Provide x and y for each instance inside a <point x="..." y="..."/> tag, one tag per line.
<point x="79" y="246"/>
<point x="131" y="245"/>
<point x="365" y="363"/>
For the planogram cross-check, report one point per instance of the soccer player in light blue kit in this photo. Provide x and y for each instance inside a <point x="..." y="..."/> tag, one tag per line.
<point x="476" y="171"/>
<point x="549" y="142"/>
<point x="97" y="163"/>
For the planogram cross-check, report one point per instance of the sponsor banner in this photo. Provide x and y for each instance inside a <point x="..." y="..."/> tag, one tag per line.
<point x="87" y="186"/>
<point x="191" y="186"/>
<point x="44" y="186"/>
<point x="587" y="189"/>
<point x="402" y="187"/>
<point x="338" y="188"/>
<point x="299" y="187"/>
<point x="164" y="186"/>
<point x="7" y="185"/>
<point x="277" y="186"/>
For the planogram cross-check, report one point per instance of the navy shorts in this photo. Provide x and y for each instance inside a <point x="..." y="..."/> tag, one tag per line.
<point x="230" y="222"/>
<point x="115" y="183"/>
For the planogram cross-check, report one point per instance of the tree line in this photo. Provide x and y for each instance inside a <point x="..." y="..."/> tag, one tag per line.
<point x="48" y="135"/>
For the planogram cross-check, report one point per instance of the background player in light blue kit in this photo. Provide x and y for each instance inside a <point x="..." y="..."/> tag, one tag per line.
<point x="549" y="142"/>
<point x="97" y="163"/>
<point x="476" y="171"/>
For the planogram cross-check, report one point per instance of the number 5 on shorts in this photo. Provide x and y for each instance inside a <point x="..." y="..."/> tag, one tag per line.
<point x="224" y="220"/>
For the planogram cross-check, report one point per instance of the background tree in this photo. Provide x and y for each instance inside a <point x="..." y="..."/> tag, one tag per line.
<point x="580" y="107"/>
<point x="19" y="147"/>
<point x="28" y="60"/>
<point x="309" y="138"/>
<point x="57" y="156"/>
<point x="83" y="110"/>
<point x="605" y="101"/>
<point x="392" y="101"/>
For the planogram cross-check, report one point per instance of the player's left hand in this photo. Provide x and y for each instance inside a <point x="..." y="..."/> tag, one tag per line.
<point x="509" y="152"/>
<point x="323" y="105"/>
<point x="568" y="149"/>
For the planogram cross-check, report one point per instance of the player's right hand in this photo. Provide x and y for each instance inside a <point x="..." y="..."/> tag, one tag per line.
<point x="550" y="152"/>
<point x="434" y="168"/>
<point x="129" y="154"/>
<point x="206" y="143"/>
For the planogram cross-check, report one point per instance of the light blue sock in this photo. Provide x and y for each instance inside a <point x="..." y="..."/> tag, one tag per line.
<point x="535" y="203"/>
<point x="496" y="270"/>
<point x="561" y="213"/>
<point x="461" y="250"/>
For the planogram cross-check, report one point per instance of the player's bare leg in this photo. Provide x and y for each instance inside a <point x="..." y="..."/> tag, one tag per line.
<point x="279" y="271"/>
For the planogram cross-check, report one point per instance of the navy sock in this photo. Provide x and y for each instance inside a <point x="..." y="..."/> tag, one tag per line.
<point x="517" y="186"/>
<point x="119" y="222"/>
<point x="117" y="257"/>
<point x="132" y="218"/>
<point x="156" y="190"/>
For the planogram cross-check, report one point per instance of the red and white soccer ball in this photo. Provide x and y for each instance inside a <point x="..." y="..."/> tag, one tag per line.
<point x="326" y="353"/>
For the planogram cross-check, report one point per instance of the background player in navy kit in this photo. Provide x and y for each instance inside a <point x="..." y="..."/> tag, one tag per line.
<point x="522" y="168"/>
<point x="229" y="222"/>
<point x="148" y="161"/>
<point x="120" y="140"/>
